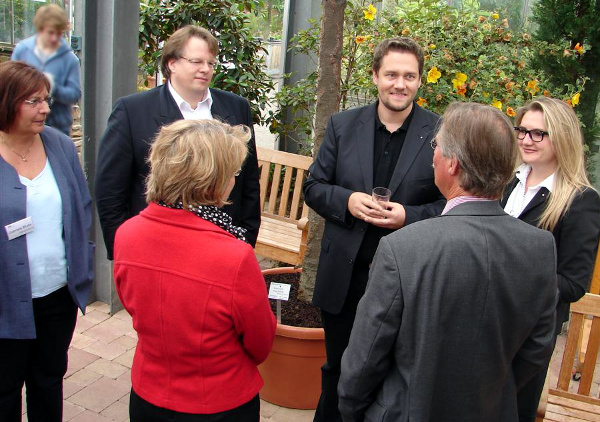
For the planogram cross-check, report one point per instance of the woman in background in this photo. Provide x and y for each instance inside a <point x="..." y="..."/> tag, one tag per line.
<point x="46" y="267"/>
<point x="192" y="285"/>
<point x="551" y="191"/>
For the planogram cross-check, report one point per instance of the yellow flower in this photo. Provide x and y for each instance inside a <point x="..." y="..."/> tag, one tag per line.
<point x="406" y="31"/>
<point x="485" y="94"/>
<point x="575" y="99"/>
<point x="360" y="39"/>
<point x="370" y="12"/>
<point x="432" y="46"/>
<point x="459" y="80"/>
<point x="422" y="102"/>
<point x="511" y="112"/>
<point x="433" y="75"/>
<point x="495" y="16"/>
<point x="546" y="93"/>
<point x="532" y="87"/>
<point x="579" y="48"/>
<point x="497" y="104"/>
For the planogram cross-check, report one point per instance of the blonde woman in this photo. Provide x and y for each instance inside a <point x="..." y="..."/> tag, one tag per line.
<point x="551" y="191"/>
<point x="192" y="284"/>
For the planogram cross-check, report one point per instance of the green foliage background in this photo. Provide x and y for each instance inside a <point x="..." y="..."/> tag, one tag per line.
<point x="495" y="61"/>
<point x="241" y="55"/>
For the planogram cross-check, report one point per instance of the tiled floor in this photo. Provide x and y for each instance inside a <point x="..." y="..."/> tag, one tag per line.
<point x="97" y="383"/>
<point x="98" y="380"/>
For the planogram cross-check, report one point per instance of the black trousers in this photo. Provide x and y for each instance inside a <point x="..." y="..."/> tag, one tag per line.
<point x="40" y="364"/>
<point x="142" y="411"/>
<point x="337" y="335"/>
<point x="528" y="397"/>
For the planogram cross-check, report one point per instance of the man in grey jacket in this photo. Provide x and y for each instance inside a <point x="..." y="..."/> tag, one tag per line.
<point x="459" y="310"/>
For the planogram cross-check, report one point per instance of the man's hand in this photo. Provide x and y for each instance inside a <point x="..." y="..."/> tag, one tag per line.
<point x="362" y="206"/>
<point x="393" y="217"/>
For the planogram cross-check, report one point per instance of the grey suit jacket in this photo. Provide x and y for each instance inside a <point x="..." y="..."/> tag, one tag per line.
<point x="458" y="314"/>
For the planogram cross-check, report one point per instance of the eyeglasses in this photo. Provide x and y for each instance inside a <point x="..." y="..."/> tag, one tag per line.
<point x="35" y="102"/>
<point x="200" y="62"/>
<point x="433" y="143"/>
<point x="535" y="135"/>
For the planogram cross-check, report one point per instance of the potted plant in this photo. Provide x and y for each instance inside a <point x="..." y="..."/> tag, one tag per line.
<point x="292" y="372"/>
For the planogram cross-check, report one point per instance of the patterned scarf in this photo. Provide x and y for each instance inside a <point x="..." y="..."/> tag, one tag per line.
<point x="214" y="215"/>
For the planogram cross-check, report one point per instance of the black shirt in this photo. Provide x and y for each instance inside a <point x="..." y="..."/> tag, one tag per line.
<point x="387" y="150"/>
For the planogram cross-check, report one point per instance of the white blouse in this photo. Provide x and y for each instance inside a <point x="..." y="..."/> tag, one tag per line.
<point x="520" y="197"/>
<point x="45" y="244"/>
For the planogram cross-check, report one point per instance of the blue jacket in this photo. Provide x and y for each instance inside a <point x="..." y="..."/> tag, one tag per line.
<point x="16" y="310"/>
<point x="64" y="67"/>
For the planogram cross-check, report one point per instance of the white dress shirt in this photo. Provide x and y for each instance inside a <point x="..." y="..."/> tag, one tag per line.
<point x="520" y="197"/>
<point x="202" y="109"/>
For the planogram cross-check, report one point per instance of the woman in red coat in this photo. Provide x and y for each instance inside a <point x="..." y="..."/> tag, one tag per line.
<point x="192" y="285"/>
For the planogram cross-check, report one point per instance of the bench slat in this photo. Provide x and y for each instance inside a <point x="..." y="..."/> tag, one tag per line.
<point x="287" y="180"/>
<point x="566" y="367"/>
<point x="589" y="364"/>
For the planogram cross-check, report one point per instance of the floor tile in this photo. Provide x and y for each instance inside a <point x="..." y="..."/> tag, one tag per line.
<point x="100" y="394"/>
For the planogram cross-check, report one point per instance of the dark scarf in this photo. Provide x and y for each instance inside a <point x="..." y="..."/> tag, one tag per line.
<point x="214" y="215"/>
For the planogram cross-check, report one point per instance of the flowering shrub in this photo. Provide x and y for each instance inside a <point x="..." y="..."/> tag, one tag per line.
<point x="470" y="55"/>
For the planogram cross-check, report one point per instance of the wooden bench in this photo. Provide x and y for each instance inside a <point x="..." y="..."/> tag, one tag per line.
<point x="564" y="403"/>
<point x="284" y="226"/>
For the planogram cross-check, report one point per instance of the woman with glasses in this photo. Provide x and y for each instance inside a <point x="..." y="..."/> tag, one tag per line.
<point x="192" y="284"/>
<point x="551" y="191"/>
<point x="45" y="257"/>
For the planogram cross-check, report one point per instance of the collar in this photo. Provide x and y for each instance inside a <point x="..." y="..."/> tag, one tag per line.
<point x="380" y="126"/>
<point x="457" y="200"/>
<point x="523" y="171"/>
<point x="181" y="102"/>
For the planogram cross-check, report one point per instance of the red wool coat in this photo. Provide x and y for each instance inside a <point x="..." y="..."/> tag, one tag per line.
<point x="199" y="305"/>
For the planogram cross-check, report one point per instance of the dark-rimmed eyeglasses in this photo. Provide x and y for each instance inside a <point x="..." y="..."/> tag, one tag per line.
<point x="535" y="135"/>
<point x="200" y="62"/>
<point x="433" y="143"/>
<point x="35" y="102"/>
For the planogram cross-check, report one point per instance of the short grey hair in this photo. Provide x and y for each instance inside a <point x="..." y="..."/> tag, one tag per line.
<point x="483" y="141"/>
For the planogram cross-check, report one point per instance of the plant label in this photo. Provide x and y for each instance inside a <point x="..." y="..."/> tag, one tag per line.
<point x="279" y="291"/>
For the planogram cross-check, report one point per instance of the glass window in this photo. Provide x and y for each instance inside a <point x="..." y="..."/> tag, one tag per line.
<point x="21" y="25"/>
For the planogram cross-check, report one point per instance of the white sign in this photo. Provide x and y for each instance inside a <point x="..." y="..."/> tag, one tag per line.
<point x="279" y="291"/>
<point x="19" y="228"/>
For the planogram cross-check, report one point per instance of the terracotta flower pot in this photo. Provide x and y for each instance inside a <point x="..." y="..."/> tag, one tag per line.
<point x="292" y="372"/>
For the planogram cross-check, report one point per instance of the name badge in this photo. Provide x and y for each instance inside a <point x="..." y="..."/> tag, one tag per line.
<point x="19" y="228"/>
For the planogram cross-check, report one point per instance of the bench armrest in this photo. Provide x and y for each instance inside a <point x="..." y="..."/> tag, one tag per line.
<point x="303" y="224"/>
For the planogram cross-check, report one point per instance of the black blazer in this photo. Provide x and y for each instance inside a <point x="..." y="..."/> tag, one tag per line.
<point x="345" y="165"/>
<point x="122" y="168"/>
<point x="576" y="236"/>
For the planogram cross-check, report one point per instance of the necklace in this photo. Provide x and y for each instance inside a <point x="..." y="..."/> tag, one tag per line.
<point x="23" y="157"/>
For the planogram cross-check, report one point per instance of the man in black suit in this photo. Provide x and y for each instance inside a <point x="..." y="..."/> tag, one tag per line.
<point x="385" y="144"/>
<point x="188" y="61"/>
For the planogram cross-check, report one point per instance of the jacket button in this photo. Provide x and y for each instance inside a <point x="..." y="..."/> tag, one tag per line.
<point x="350" y="261"/>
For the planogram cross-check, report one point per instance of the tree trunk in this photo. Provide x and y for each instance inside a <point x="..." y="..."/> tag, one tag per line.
<point x="328" y="102"/>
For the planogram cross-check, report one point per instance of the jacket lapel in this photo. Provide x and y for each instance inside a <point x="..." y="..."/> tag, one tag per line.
<point x="365" y="144"/>
<point x="169" y="112"/>
<point x="415" y="138"/>
<point x="540" y="198"/>
<point x="219" y="109"/>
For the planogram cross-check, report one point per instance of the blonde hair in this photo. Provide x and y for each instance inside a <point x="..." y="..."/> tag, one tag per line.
<point x="51" y="15"/>
<point x="193" y="161"/>
<point x="566" y="138"/>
